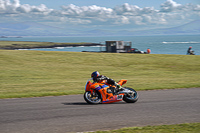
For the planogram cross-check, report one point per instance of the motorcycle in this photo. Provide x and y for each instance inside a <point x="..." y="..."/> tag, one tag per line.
<point x="96" y="93"/>
<point x="192" y="52"/>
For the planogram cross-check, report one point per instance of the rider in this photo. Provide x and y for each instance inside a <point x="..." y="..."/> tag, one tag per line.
<point x="98" y="78"/>
<point x="190" y="51"/>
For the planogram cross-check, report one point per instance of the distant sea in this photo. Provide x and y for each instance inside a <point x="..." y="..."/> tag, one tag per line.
<point x="171" y="44"/>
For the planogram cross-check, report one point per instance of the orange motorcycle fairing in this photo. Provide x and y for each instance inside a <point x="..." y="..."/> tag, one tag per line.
<point x="115" y="98"/>
<point x="121" y="82"/>
<point x="87" y="86"/>
<point x="103" y="90"/>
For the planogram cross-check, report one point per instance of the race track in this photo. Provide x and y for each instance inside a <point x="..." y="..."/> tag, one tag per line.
<point x="71" y="113"/>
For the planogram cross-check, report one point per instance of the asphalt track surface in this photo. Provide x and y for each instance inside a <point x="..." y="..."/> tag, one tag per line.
<point x="63" y="114"/>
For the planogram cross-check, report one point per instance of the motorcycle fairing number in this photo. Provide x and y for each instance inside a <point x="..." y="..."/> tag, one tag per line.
<point x="114" y="99"/>
<point x="119" y="97"/>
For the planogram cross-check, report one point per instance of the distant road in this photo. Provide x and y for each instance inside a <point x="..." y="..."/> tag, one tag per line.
<point x="63" y="114"/>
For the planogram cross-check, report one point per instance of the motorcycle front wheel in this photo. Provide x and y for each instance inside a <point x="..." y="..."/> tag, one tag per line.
<point x="131" y="97"/>
<point x="92" y="99"/>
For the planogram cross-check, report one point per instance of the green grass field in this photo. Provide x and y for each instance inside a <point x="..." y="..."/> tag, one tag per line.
<point x="47" y="73"/>
<point x="179" y="128"/>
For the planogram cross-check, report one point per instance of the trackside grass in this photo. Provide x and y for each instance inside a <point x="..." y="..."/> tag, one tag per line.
<point x="52" y="73"/>
<point x="179" y="128"/>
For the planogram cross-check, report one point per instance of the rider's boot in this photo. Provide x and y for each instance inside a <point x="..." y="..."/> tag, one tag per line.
<point x="117" y="89"/>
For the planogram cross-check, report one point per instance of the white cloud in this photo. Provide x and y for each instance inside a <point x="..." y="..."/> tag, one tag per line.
<point x="86" y="11"/>
<point x="196" y="8"/>
<point x="24" y="8"/>
<point x="8" y="7"/>
<point x="170" y="12"/>
<point x="169" y="6"/>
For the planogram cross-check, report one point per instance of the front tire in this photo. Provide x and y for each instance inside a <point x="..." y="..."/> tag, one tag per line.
<point x="92" y="99"/>
<point x="131" y="97"/>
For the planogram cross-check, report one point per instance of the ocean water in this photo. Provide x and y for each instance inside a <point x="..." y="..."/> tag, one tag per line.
<point x="176" y="44"/>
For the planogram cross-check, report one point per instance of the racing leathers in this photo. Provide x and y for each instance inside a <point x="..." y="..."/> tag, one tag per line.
<point x="108" y="81"/>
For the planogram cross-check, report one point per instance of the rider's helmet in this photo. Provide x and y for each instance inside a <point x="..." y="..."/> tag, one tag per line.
<point x="95" y="74"/>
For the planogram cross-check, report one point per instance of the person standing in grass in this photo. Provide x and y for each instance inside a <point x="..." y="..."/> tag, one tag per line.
<point x="148" y="51"/>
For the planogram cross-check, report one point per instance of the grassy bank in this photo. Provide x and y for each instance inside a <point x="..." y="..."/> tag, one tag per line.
<point x="10" y="45"/>
<point x="45" y="73"/>
<point x="179" y="128"/>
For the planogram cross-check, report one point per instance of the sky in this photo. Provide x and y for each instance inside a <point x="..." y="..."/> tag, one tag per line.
<point x="101" y="14"/>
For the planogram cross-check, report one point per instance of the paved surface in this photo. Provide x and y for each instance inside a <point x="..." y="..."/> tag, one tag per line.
<point x="71" y="113"/>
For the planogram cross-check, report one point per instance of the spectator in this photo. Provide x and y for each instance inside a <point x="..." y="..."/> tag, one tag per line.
<point x="190" y="51"/>
<point x="148" y="51"/>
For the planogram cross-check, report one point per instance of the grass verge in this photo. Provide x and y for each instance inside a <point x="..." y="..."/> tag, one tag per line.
<point x="179" y="128"/>
<point x="11" y="45"/>
<point x="47" y="73"/>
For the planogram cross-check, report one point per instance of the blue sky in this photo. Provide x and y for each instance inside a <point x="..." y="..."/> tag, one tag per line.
<point x="101" y="14"/>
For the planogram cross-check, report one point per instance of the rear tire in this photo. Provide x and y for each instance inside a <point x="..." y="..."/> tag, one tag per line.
<point x="92" y="99"/>
<point x="131" y="98"/>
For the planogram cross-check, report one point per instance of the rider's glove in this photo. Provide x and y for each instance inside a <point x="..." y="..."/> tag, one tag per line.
<point x="118" y="86"/>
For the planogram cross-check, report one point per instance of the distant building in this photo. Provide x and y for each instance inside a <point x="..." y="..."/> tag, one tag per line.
<point x="118" y="46"/>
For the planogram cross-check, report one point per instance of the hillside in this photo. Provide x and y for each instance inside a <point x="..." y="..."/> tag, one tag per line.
<point x="37" y="29"/>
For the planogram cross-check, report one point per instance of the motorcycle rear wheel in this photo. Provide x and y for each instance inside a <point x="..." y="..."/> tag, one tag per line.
<point x="131" y="98"/>
<point x="92" y="99"/>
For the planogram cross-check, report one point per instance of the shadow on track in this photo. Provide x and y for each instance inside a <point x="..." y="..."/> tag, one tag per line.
<point x="84" y="103"/>
<point x="77" y="103"/>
